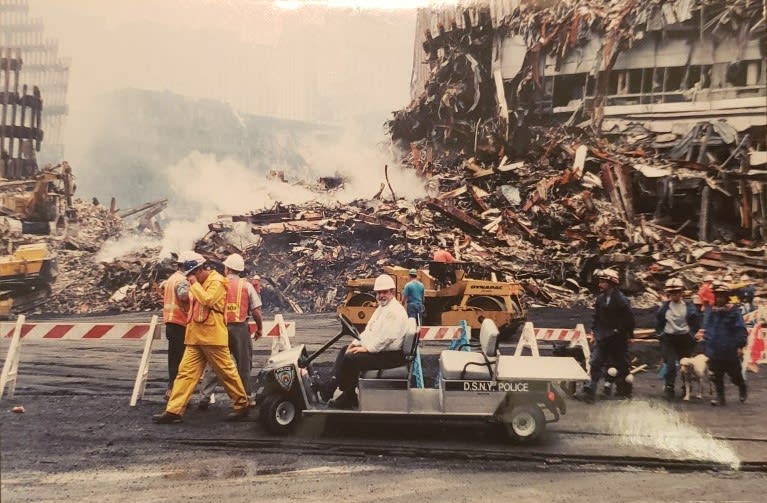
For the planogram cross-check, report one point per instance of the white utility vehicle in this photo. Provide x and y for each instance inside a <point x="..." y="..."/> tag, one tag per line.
<point x="520" y="392"/>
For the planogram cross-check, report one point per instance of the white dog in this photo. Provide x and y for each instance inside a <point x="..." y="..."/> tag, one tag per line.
<point x="694" y="369"/>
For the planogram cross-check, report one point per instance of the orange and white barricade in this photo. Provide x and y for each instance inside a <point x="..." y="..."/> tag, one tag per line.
<point x="575" y="336"/>
<point x="75" y="331"/>
<point x="279" y="330"/>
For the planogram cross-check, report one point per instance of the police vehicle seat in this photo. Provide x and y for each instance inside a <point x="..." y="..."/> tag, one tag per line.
<point x="462" y="365"/>
<point x="409" y="346"/>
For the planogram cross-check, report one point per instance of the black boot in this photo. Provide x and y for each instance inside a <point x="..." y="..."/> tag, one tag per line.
<point x="668" y="392"/>
<point x="585" y="395"/>
<point x="743" y="392"/>
<point x="719" y="400"/>
<point x="347" y="400"/>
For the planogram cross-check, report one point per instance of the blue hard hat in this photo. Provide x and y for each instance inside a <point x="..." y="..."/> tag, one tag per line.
<point x="193" y="261"/>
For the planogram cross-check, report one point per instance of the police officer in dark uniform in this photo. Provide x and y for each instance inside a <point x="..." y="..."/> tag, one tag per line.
<point x="725" y="337"/>
<point x="611" y="330"/>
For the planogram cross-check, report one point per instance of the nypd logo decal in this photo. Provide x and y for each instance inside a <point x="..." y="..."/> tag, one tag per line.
<point x="285" y="377"/>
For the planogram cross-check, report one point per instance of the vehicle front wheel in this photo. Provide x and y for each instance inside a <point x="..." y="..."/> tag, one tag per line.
<point x="279" y="414"/>
<point x="526" y="423"/>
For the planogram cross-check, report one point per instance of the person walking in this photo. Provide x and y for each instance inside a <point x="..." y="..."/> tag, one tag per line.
<point x="241" y="301"/>
<point x="175" y="310"/>
<point x="706" y="295"/>
<point x="412" y="297"/>
<point x="724" y="338"/>
<point x="678" y="320"/>
<point x="611" y="329"/>
<point x="206" y="341"/>
<point x="379" y="345"/>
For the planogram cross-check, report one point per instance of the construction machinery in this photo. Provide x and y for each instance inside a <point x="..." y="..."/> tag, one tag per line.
<point x="451" y="295"/>
<point x="45" y="198"/>
<point x="25" y="276"/>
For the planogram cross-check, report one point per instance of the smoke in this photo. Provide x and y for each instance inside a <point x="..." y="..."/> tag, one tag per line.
<point x="656" y="425"/>
<point x="113" y="249"/>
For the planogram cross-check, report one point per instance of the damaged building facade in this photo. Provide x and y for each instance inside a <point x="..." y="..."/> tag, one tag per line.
<point x="682" y="83"/>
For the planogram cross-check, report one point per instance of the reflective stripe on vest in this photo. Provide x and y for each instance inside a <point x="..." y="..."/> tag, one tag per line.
<point x="174" y="310"/>
<point x="236" y="302"/>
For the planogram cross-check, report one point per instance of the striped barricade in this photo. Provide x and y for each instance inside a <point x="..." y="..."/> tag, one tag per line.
<point x="75" y="331"/>
<point x="458" y="335"/>
<point x="279" y="330"/>
<point x="575" y="336"/>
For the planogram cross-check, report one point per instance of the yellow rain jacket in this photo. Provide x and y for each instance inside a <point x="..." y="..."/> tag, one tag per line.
<point x="207" y="326"/>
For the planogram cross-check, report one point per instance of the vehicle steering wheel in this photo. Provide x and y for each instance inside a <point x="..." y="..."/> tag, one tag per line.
<point x="347" y="327"/>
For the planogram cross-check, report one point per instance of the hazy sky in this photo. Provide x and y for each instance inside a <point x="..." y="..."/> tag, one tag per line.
<point x="240" y="51"/>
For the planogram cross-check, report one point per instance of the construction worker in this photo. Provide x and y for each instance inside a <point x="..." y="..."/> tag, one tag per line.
<point x="678" y="320"/>
<point x="241" y="301"/>
<point x="724" y="339"/>
<point x="612" y="327"/>
<point x="412" y="297"/>
<point x="206" y="342"/>
<point x="379" y="345"/>
<point x="441" y="254"/>
<point x="175" y="310"/>
<point x="745" y="291"/>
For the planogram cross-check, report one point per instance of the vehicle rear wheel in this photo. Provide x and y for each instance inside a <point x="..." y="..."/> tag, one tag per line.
<point x="526" y="423"/>
<point x="279" y="414"/>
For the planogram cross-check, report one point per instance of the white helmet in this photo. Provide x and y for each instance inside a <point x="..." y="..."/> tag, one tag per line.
<point x="384" y="282"/>
<point x="235" y="262"/>
<point x="708" y="277"/>
<point x="674" y="285"/>
<point x="609" y="275"/>
<point x="744" y="278"/>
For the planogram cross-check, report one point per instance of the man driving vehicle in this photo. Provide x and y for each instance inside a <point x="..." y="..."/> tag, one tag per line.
<point x="379" y="345"/>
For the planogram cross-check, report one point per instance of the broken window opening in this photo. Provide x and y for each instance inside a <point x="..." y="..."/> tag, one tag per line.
<point x="568" y="88"/>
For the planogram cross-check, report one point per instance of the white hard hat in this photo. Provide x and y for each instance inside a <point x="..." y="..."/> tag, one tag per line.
<point x="235" y="262"/>
<point x="256" y="277"/>
<point x="609" y="275"/>
<point x="193" y="261"/>
<point x="745" y="278"/>
<point x="720" y="286"/>
<point x="384" y="282"/>
<point x="708" y="277"/>
<point x="674" y="285"/>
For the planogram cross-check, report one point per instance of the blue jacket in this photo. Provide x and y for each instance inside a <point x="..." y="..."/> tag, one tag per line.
<point x="614" y="318"/>
<point x="692" y="317"/>
<point x="725" y="333"/>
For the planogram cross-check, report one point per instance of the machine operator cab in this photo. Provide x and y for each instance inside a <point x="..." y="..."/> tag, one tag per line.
<point x="516" y="391"/>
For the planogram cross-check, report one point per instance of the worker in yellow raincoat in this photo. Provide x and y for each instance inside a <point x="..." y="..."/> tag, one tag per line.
<point x="206" y="341"/>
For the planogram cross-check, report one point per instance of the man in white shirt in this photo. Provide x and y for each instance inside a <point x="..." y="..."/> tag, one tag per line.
<point x="379" y="347"/>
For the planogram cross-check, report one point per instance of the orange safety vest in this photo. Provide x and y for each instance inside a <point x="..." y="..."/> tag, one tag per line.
<point x="236" y="301"/>
<point x="174" y="310"/>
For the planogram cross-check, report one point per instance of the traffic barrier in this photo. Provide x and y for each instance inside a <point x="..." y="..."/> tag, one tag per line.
<point x="71" y="331"/>
<point x="279" y="330"/>
<point x="576" y="337"/>
<point x="458" y="335"/>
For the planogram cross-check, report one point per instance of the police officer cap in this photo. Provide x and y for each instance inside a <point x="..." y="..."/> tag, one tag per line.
<point x="674" y="285"/>
<point x="609" y="275"/>
<point x="412" y="272"/>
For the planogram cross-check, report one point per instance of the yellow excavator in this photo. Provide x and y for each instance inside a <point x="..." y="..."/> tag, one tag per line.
<point x="25" y="275"/>
<point x="451" y="296"/>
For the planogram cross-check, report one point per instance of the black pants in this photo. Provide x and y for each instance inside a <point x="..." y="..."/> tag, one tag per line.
<point x="175" y="335"/>
<point x="611" y="351"/>
<point x="241" y="347"/>
<point x="730" y="367"/>
<point x="349" y="366"/>
<point x="674" y="348"/>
